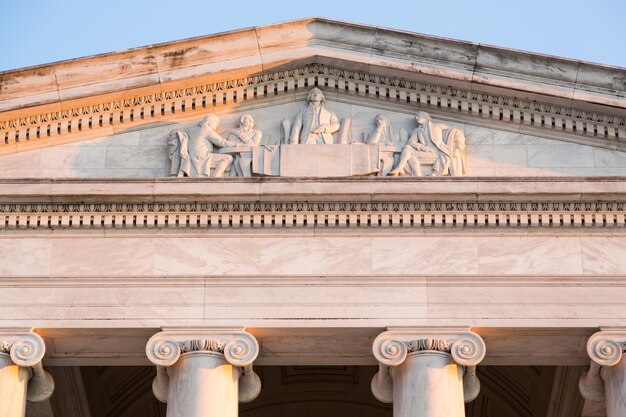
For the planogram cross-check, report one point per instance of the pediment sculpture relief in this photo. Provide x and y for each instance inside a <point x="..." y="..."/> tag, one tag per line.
<point x="432" y="149"/>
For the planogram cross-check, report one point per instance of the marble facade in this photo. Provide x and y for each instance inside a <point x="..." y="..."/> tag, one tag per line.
<point x="429" y="218"/>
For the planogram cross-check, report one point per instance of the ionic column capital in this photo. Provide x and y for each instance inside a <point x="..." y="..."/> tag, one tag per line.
<point x="607" y="347"/>
<point x="26" y="348"/>
<point x="392" y="347"/>
<point x="239" y="347"/>
<point x="233" y="345"/>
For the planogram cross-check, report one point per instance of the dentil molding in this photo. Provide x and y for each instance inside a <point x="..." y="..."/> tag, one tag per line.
<point x="542" y="118"/>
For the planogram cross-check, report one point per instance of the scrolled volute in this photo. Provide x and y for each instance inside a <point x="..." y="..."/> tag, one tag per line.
<point x="392" y="347"/>
<point x="163" y="351"/>
<point x="25" y="349"/>
<point x="606" y="348"/>
<point x="468" y="349"/>
<point x="241" y="350"/>
<point x="389" y="350"/>
<point x="238" y="347"/>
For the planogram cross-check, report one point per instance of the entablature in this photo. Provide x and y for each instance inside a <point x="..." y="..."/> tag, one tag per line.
<point x="551" y="205"/>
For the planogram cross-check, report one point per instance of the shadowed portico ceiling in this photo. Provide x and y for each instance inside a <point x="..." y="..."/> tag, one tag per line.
<point x="94" y="96"/>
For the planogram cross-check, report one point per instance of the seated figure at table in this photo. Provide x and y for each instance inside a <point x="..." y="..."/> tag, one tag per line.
<point x="315" y="124"/>
<point x="384" y="135"/>
<point x="245" y="135"/>
<point x="447" y="144"/>
<point x="196" y="150"/>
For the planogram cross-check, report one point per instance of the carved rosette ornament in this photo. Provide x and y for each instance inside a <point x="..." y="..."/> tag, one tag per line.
<point x="27" y="349"/>
<point x="606" y="378"/>
<point x="233" y="346"/>
<point x="433" y="349"/>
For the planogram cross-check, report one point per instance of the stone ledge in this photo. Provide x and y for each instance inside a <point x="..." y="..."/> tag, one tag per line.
<point x="358" y="189"/>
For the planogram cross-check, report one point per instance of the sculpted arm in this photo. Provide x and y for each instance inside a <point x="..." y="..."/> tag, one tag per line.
<point x="413" y="139"/>
<point x="217" y="140"/>
<point x="417" y="144"/>
<point x="374" y="138"/>
<point x="331" y="127"/>
<point x="256" y="139"/>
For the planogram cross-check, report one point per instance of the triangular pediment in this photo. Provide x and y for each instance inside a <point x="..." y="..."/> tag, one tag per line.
<point x="508" y="104"/>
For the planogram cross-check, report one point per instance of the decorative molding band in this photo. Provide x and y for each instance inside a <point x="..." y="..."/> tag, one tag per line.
<point x="392" y="347"/>
<point x="607" y="347"/>
<point x="238" y="347"/>
<point x="545" y="118"/>
<point x="25" y="349"/>
<point x="202" y="345"/>
<point x="327" y="215"/>
<point x="420" y="345"/>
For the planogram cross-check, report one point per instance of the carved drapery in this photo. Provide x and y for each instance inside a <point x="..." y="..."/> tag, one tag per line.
<point x="199" y="150"/>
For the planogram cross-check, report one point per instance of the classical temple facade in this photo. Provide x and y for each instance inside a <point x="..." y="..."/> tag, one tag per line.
<point x="313" y="218"/>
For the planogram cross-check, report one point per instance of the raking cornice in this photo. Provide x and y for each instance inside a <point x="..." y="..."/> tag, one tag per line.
<point x="95" y="96"/>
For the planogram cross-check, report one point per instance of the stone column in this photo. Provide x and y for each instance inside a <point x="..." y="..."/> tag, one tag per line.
<point x="606" y="378"/>
<point x="427" y="372"/>
<point x="204" y="372"/>
<point x="21" y="374"/>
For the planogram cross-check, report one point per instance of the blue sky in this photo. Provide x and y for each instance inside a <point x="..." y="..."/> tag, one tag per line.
<point x="40" y="31"/>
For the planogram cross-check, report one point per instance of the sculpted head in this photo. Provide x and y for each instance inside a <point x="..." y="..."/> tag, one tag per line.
<point x="211" y="121"/>
<point x="422" y="117"/>
<point x="382" y="120"/>
<point x="246" y="122"/>
<point x="316" y="96"/>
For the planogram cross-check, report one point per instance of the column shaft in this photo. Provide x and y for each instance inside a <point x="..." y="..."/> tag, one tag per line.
<point x="615" y="388"/>
<point x="428" y="384"/>
<point x="13" y="385"/>
<point x="202" y="384"/>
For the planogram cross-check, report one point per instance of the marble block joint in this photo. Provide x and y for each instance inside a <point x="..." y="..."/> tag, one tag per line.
<point x="606" y="379"/>
<point x="427" y="372"/>
<point x="22" y="376"/>
<point x="204" y="372"/>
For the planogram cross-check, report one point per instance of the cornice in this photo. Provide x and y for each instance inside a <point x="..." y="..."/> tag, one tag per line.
<point x="362" y="205"/>
<point x="45" y="126"/>
<point x="264" y="47"/>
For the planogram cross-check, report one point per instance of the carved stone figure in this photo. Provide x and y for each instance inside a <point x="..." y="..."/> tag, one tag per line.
<point x="196" y="148"/>
<point x="448" y="144"/>
<point x="384" y="135"/>
<point x="245" y="135"/>
<point x="316" y="124"/>
<point x="175" y="141"/>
